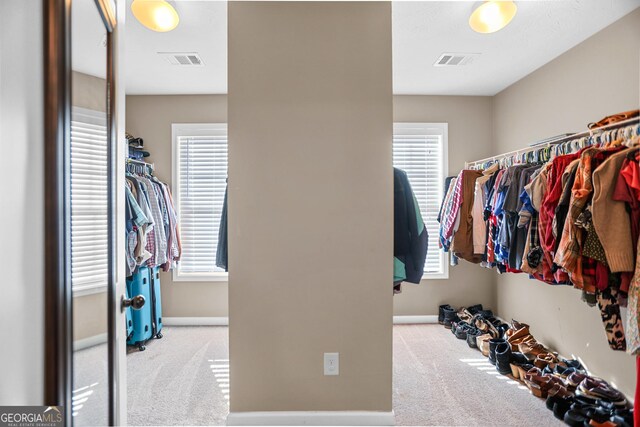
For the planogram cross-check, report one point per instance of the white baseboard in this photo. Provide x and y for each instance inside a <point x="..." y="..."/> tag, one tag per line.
<point x="408" y="320"/>
<point x="311" y="418"/>
<point x="90" y="341"/>
<point x="224" y="321"/>
<point x="195" y="321"/>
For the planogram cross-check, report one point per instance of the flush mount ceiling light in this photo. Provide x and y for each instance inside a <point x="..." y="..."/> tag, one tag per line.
<point x="157" y="15"/>
<point x="492" y="15"/>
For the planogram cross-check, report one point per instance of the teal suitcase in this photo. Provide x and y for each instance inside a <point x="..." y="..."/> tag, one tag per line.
<point x="140" y="284"/>
<point x="156" y="302"/>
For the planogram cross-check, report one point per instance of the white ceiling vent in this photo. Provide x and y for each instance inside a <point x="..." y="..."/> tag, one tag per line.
<point x="183" y="59"/>
<point x="455" y="59"/>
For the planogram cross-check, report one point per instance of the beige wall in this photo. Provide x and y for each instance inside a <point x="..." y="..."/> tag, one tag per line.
<point x="150" y="117"/>
<point x="470" y="120"/>
<point x="470" y="127"/>
<point x="88" y="91"/>
<point x="89" y="315"/>
<point x="310" y="115"/>
<point x="594" y="79"/>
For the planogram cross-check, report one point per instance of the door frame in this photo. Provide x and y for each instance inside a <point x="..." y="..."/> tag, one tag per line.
<point x="58" y="345"/>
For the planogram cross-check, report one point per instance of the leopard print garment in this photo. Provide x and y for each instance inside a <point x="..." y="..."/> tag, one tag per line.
<point x="610" y="313"/>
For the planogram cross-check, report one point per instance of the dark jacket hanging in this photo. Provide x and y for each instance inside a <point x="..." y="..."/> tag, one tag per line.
<point x="223" y="249"/>
<point x="410" y="234"/>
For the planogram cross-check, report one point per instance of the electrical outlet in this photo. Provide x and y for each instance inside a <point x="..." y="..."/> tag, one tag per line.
<point x="332" y="363"/>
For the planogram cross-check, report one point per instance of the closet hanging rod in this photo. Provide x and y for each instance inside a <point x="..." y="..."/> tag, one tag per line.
<point x="555" y="141"/>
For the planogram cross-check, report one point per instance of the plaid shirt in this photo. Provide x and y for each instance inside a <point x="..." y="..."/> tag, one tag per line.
<point x="160" y="254"/>
<point x="452" y="209"/>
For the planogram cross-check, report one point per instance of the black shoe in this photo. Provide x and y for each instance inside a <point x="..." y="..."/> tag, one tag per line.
<point x="502" y="329"/>
<point x="441" y="312"/>
<point x="573" y="363"/>
<point x="503" y="357"/>
<point x="475" y="308"/>
<point x="560" y="406"/>
<point x="461" y="330"/>
<point x="560" y="371"/>
<point x="574" y="419"/>
<point x="518" y="358"/>
<point x="454" y="325"/>
<point x="450" y="315"/>
<point x="493" y="343"/>
<point x="486" y="313"/>
<point x="472" y="334"/>
<point x="622" y="417"/>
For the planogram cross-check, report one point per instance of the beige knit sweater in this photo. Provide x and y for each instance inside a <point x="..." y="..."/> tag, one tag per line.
<point x="610" y="217"/>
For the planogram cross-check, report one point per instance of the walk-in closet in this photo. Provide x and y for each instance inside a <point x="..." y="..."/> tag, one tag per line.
<point x="320" y="213"/>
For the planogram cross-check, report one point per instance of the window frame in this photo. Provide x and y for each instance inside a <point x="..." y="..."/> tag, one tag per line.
<point x="95" y="118"/>
<point x="191" y="129"/>
<point x="420" y="128"/>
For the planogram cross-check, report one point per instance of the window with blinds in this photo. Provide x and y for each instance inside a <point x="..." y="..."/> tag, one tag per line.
<point x="420" y="149"/>
<point x="89" y="205"/>
<point x="199" y="181"/>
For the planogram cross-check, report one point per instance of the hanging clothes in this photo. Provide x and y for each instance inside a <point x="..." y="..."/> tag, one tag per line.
<point x="222" y="251"/>
<point x="572" y="218"/>
<point x="463" y="238"/>
<point x="411" y="240"/>
<point x="151" y="222"/>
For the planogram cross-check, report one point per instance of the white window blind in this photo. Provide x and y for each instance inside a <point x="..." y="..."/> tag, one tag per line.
<point x="420" y="149"/>
<point x="200" y="179"/>
<point x="89" y="205"/>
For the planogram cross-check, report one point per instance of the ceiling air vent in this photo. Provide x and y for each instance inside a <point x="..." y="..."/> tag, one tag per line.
<point x="455" y="59"/>
<point x="183" y="59"/>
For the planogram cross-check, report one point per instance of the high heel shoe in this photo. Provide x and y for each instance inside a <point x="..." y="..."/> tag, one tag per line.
<point x="546" y="359"/>
<point x="532" y="348"/>
<point x="517" y="363"/>
<point x="538" y="383"/>
<point x="517" y="336"/>
<point x="482" y="341"/>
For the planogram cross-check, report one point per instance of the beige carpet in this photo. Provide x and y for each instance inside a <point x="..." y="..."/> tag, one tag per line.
<point x="439" y="380"/>
<point x="182" y="379"/>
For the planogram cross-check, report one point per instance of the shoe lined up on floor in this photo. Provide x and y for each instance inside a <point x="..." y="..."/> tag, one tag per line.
<point x="449" y="316"/>
<point x="573" y="395"/>
<point x="441" y="311"/>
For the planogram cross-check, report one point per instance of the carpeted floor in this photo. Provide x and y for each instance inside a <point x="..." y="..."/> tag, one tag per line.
<point x="183" y="379"/>
<point x="439" y="380"/>
<point x="90" y="394"/>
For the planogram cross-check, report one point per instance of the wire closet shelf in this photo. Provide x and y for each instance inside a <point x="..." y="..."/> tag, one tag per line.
<point x="140" y="163"/>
